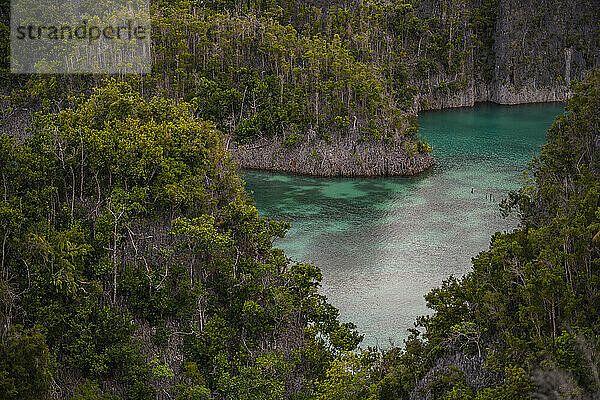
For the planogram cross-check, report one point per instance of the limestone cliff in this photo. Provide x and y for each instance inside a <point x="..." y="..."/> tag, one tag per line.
<point x="512" y="51"/>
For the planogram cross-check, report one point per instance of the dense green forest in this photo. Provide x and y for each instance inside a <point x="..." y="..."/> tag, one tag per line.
<point x="135" y="266"/>
<point x="133" y="259"/>
<point x="265" y="71"/>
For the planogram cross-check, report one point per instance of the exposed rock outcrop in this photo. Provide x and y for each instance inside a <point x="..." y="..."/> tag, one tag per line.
<point x="534" y="49"/>
<point x="342" y="156"/>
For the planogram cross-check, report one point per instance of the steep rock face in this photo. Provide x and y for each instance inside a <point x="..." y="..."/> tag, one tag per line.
<point x="532" y="52"/>
<point x="540" y="46"/>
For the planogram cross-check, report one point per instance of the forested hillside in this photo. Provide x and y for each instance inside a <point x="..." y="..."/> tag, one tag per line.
<point x="135" y="266"/>
<point x="332" y="88"/>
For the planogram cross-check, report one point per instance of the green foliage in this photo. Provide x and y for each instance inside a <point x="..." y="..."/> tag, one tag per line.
<point x="291" y="139"/>
<point x="255" y="69"/>
<point x="127" y="234"/>
<point x="516" y="384"/>
<point x="126" y="230"/>
<point x="91" y="391"/>
<point x="26" y="365"/>
<point x="345" y="378"/>
<point x="105" y="179"/>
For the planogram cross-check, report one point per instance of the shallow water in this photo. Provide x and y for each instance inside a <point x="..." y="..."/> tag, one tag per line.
<point x="383" y="243"/>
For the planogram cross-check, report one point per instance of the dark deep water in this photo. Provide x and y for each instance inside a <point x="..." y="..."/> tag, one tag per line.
<point x="383" y="243"/>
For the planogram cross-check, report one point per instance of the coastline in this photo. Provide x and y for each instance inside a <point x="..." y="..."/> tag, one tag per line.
<point x="348" y="156"/>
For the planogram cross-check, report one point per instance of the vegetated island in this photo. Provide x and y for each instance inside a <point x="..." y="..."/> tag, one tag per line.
<point x="378" y="64"/>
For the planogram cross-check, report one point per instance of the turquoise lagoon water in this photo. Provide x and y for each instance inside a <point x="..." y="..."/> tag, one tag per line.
<point x="383" y="243"/>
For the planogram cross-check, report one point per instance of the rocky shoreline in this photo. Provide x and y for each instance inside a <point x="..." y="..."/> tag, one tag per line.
<point x="340" y="157"/>
<point x="501" y="96"/>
